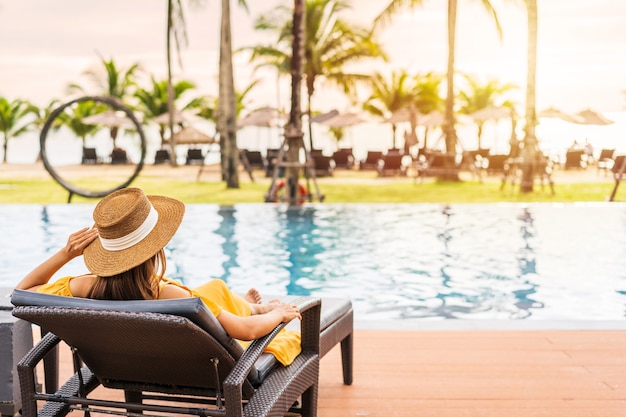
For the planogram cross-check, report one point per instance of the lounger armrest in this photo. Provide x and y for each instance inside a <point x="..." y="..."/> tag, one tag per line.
<point x="26" y="372"/>
<point x="310" y="308"/>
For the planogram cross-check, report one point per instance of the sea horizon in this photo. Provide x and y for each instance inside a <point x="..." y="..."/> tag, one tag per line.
<point x="555" y="137"/>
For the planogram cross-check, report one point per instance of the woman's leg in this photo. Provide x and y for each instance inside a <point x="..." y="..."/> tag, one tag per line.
<point x="218" y="292"/>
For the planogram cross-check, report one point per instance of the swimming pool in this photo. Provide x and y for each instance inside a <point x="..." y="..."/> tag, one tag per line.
<point x="404" y="265"/>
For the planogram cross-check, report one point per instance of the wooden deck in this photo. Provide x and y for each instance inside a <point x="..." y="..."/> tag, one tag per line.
<point x="475" y="373"/>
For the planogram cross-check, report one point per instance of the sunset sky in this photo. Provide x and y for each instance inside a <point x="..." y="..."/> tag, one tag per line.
<point x="582" y="46"/>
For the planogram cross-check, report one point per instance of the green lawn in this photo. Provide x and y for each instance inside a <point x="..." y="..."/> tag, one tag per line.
<point x="48" y="191"/>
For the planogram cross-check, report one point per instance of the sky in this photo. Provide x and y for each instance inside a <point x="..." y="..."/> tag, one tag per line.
<point x="45" y="45"/>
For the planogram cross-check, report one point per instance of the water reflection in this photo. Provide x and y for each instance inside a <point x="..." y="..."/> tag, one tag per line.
<point x="229" y="245"/>
<point x="527" y="266"/>
<point x="296" y="237"/>
<point x="396" y="261"/>
<point x="49" y="245"/>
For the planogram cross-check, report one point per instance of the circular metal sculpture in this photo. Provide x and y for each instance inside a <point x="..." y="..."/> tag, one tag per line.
<point x="113" y="103"/>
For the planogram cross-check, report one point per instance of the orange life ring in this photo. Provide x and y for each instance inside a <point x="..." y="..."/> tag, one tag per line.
<point x="302" y="192"/>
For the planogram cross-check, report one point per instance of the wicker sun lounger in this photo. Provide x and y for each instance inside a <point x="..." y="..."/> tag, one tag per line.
<point x="164" y="355"/>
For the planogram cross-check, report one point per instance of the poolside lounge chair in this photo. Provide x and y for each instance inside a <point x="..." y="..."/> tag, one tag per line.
<point x="575" y="159"/>
<point x="164" y="355"/>
<point x="371" y="160"/>
<point x="437" y="164"/>
<point x="194" y="157"/>
<point x="497" y="164"/>
<point x="391" y="164"/>
<point x="118" y="156"/>
<point x="324" y="165"/>
<point x="90" y="157"/>
<point x="162" y="156"/>
<point x="254" y="159"/>
<point x="618" y="164"/>
<point x="605" y="160"/>
<point x="343" y="158"/>
<point x="271" y="157"/>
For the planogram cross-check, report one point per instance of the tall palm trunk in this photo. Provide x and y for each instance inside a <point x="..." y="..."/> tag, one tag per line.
<point x="449" y="128"/>
<point x="310" y="112"/>
<point x="227" y="111"/>
<point x="530" y="140"/>
<point x="293" y="129"/>
<point x="5" y="147"/>
<point x="170" y="88"/>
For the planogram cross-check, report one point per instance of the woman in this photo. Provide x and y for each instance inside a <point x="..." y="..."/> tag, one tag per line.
<point x="124" y="255"/>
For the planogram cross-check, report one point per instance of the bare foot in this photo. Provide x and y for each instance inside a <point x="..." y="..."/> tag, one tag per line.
<point x="253" y="296"/>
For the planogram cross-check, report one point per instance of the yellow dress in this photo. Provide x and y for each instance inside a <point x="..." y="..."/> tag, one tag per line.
<point x="217" y="297"/>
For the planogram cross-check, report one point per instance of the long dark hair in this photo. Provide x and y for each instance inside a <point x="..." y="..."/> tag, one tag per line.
<point x="138" y="283"/>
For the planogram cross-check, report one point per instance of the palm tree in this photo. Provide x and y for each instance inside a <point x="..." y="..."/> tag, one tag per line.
<point x="206" y="107"/>
<point x="43" y="114"/>
<point x="449" y="125"/>
<point x="14" y="120"/>
<point x="330" y="44"/>
<point x="420" y="93"/>
<point x="480" y="96"/>
<point x="116" y="82"/>
<point x="530" y="140"/>
<point x="155" y="101"/>
<point x="390" y="95"/>
<point x="176" y="28"/>
<point x="227" y="103"/>
<point x="293" y="129"/>
<point x="428" y="97"/>
<point x="73" y="116"/>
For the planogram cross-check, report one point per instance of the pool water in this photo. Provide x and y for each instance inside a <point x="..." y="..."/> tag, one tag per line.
<point x="400" y="263"/>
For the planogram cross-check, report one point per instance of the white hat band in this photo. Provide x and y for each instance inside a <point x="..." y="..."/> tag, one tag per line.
<point x="133" y="237"/>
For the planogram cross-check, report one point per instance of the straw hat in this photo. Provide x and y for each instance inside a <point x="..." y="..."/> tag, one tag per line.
<point x="133" y="227"/>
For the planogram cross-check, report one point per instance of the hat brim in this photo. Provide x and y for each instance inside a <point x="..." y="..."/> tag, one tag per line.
<point x="106" y="263"/>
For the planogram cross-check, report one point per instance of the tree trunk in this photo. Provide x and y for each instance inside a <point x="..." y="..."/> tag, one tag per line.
<point x="5" y="147"/>
<point x="293" y="129"/>
<point x="227" y="110"/>
<point x="170" y="88"/>
<point x="449" y="129"/>
<point x="529" y="153"/>
<point x="310" y="123"/>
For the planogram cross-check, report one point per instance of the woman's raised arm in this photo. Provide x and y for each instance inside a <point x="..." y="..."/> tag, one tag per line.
<point x="76" y="244"/>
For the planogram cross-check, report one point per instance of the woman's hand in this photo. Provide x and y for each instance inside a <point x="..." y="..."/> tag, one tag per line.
<point x="288" y="311"/>
<point x="78" y="241"/>
<point x="258" y="325"/>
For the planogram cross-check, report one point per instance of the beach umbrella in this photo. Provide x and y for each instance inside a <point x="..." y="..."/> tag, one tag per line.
<point x="554" y="113"/>
<point x="486" y="114"/>
<point x="322" y="117"/>
<point x="336" y="120"/>
<point x="343" y="120"/>
<point x="114" y="120"/>
<point x="179" y="117"/>
<point x="590" y="117"/>
<point x="263" y="117"/>
<point x="432" y="119"/>
<point x="109" y="118"/>
<point x="402" y="115"/>
<point x="192" y="136"/>
<point x="490" y="113"/>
